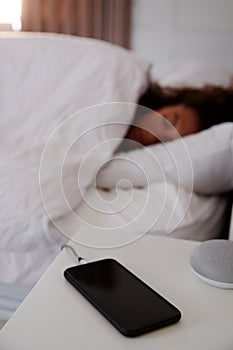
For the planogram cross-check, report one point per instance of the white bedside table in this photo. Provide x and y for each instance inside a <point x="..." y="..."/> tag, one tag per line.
<point x="56" y="316"/>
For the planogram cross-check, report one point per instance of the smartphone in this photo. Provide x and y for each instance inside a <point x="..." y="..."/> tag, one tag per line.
<point x="127" y="302"/>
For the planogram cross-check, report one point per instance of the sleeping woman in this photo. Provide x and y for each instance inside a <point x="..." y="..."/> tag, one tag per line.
<point x="188" y="110"/>
<point x="182" y="112"/>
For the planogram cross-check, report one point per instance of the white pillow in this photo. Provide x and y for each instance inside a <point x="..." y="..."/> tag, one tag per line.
<point x="45" y="78"/>
<point x="194" y="74"/>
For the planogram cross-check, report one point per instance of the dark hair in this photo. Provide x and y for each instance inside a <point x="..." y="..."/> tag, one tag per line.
<point x="212" y="103"/>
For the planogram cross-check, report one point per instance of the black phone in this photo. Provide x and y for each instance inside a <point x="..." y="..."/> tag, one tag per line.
<point x="127" y="302"/>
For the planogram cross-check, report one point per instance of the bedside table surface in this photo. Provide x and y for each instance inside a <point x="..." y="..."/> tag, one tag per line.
<point x="56" y="316"/>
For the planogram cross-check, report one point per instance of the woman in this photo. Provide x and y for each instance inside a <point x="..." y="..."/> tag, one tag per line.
<point x="184" y="111"/>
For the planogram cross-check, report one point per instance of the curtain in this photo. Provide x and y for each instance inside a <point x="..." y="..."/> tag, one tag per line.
<point x="101" y="19"/>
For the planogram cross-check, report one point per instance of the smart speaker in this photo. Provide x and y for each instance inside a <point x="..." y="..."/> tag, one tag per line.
<point x="212" y="262"/>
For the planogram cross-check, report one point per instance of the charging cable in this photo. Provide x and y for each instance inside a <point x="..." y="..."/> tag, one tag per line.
<point x="73" y="253"/>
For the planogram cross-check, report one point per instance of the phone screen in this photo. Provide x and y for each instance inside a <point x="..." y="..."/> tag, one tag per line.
<point x="127" y="302"/>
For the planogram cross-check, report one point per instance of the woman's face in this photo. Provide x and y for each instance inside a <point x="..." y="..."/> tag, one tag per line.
<point x="177" y="120"/>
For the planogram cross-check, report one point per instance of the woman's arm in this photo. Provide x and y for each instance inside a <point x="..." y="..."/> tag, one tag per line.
<point x="201" y="162"/>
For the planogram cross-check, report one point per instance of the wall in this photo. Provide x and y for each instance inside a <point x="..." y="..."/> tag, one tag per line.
<point x="177" y="31"/>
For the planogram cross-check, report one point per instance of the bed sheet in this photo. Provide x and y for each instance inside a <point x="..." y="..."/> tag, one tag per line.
<point x="122" y="216"/>
<point x="11" y="295"/>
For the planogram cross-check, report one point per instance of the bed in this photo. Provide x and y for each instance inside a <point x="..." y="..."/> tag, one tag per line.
<point x="55" y="87"/>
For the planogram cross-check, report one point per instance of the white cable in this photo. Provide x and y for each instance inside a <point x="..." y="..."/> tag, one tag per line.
<point x="73" y="253"/>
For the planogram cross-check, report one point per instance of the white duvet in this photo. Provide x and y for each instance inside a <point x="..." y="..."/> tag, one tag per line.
<point x="45" y="84"/>
<point x="45" y="79"/>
